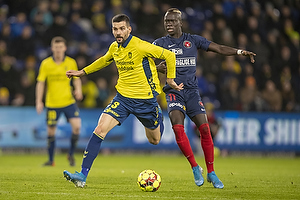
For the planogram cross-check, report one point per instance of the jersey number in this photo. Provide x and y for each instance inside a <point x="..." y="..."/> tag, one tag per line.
<point x="51" y="116"/>
<point x="115" y="104"/>
<point x="172" y="97"/>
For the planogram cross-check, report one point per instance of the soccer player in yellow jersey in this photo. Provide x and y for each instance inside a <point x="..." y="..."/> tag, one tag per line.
<point x="59" y="97"/>
<point x="137" y="88"/>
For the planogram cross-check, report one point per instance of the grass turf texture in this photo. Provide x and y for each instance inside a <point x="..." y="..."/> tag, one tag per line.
<point x="114" y="177"/>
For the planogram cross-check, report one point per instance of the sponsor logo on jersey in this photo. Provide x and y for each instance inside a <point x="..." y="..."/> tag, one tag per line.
<point x="124" y="68"/>
<point x="185" y="62"/>
<point x="123" y="65"/>
<point x="177" y="105"/>
<point x="171" y="45"/>
<point x="124" y="62"/>
<point x="177" y="51"/>
<point x="109" y="110"/>
<point x="187" y="44"/>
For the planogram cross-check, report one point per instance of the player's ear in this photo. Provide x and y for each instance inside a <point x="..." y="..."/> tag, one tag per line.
<point x="130" y="29"/>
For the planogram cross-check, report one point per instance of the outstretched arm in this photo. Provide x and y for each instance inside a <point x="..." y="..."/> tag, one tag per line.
<point x="229" y="51"/>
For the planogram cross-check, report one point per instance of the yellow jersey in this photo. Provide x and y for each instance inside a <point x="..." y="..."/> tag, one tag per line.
<point x="59" y="90"/>
<point x="138" y="77"/>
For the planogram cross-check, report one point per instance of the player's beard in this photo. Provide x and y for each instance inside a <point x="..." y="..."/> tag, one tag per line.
<point x="119" y="39"/>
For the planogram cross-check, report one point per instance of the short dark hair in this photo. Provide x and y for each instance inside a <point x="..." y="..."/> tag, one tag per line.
<point x="58" y="39"/>
<point x="121" y="18"/>
<point x="174" y="11"/>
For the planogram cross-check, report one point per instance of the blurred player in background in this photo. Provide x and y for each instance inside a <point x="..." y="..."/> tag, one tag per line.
<point x="59" y="97"/>
<point x="137" y="88"/>
<point x="188" y="101"/>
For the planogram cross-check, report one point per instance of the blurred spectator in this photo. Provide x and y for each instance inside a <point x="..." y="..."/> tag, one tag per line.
<point x="41" y="19"/>
<point x="242" y="43"/>
<point x="9" y="77"/>
<point x="238" y="21"/>
<point x="75" y="28"/>
<point x="256" y="12"/>
<point x="116" y="7"/>
<point x="230" y="69"/>
<point x="89" y="92"/>
<point x="268" y="28"/>
<point x="4" y="9"/>
<point x="149" y="20"/>
<point x="98" y="17"/>
<point x="17" y="24"/>
<point x="220" y="28"/>
<point x="273" y="44"/>
<point x="58" y="28"/>
<point x="288" y="97"/>
<point x="24" y="44"/>
<point x="4" y="96"/>
<point x="207" y="87"/>
<point x="54" y="7"/>
<point x="260" y="48"/>
<point x="202" y="82"/>
<point x="267" y="74"/>
<point x="284" y="59"/>
<point x="6" y="37"/>
<point x="249" y="95"/>
<point x="230" y="99"/>
<point x="210" y="62"/>
<point x="272" y="97"/>
<point x="3" y="47"/>
<point x="247" y="71"/>
<point x="296" y="87"/>
<point x="285" y="74"/>
<point x="272" y="17"/>
<point x="28" y="81"/>
<point x="213" y="122"/>
<point x="112" y="89"/>
<point x="103" y="92"/>
<point x="83" y="50"/>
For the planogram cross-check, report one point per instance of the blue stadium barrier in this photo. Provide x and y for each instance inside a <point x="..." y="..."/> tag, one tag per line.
<point x="22" y="127"/>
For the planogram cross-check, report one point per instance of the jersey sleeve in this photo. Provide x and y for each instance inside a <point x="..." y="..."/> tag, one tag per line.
<point x="42" y="73"/>
<point x="201" y="42"/>
<point x="100" y="62"/>
<point x="153" y="51"/>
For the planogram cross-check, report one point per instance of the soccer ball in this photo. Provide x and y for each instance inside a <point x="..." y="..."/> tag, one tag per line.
<point x="149" y="180"/>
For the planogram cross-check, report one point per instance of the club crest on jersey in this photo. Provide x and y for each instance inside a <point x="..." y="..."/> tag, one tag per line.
<point x="201" y="104"/>
<point x="129" y="54"/>
<point x="187" y="44"/>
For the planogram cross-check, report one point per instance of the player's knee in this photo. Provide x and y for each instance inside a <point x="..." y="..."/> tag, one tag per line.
<point x="154" y="141"/>
<point x="99" y="131"/>
<point x="76" y="130"/>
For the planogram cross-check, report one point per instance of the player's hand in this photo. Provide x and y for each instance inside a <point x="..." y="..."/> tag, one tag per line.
<point x="39" y="107"/>
<point x="161" y="67"/>
<point x="174" y="85"/>
<point x="250" y="54"/>
<point x="72" y="73"/>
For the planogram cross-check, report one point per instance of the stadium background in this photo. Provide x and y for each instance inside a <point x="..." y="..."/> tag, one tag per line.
<point x="261" y="99"/>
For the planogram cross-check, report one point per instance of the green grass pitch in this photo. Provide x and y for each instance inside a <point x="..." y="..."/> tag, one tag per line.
<point x="114" y="177"/>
